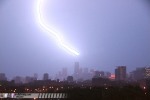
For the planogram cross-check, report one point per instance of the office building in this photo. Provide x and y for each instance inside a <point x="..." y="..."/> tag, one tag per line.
<point x="45" y="76"/>
<point x="120" y="73"/>
<point x="18" y="80"/>
<point x="147" y="72"/>
<point x="3" y="77"/>
<point x="77" y="71"/>
<point x="64" y="73"/>
<point x="76" y="68"/>
<point x="141" y="73"/>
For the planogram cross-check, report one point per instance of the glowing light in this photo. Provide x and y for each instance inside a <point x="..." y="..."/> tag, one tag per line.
<point x="50" y="31"/>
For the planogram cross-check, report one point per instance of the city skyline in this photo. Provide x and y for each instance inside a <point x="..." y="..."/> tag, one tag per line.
<point x="84" y="73"/>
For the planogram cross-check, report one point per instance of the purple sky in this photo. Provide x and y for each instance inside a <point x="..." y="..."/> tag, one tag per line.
<point x="107" y="33"/>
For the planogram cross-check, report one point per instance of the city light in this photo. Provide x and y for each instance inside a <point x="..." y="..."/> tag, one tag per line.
<point x="51" y="32"/>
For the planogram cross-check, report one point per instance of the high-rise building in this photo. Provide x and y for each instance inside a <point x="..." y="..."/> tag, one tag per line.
<point x="45" y="76"/>
<point x="99" y="74"/>
<point x="76" y="68"/>
<point x="141" y="73"/>
<point x="120" y="73"/>
<point x="147" y="72"/>
<point x="35" y="76"/>
<point x="64" y="73"/>
<point x="18" y="80"/>
<point x="3" y="77"/>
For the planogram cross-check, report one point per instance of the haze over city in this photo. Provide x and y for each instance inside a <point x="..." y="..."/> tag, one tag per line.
<point x="106" y="33"/>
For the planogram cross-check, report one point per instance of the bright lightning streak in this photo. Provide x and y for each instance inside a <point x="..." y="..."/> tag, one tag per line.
<point x="51" y="31"/>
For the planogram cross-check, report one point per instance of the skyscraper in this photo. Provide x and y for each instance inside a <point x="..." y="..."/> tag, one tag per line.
<point x="76" y="70"/>
<point x="64" y="73"/>
<point x="147" y="72"/>
<point x="120" y="73"/>
<point x="3" y="77"/>
<point x="45" y="76"/>
<point x="141" y="73"/>
<point x="35" y="76"/>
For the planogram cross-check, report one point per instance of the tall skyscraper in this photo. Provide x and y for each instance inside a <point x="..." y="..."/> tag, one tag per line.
<point x="45" y="76"/>
<point x="120" y="73"/>
<point x="139" y="73"/>
<point x="76" y="70"/>
<point x="64" y="73"/>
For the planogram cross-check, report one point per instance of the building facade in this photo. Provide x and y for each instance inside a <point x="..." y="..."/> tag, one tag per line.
<point x="120" y="73"/>
<point x="45" y="76"/>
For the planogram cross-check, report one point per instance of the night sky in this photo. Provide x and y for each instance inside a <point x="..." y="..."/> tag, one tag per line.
<point x="107" y="33"/>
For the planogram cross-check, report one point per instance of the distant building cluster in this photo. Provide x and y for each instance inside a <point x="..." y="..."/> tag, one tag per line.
<point x="62" y="75"/>
<point x="82" y="74"/>
<point x="85" y="81"/>
<point x="22" y="80"/>
<point x="140" y="73"/>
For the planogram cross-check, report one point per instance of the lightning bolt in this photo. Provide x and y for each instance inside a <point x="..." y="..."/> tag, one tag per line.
<point x="51" y="31"/>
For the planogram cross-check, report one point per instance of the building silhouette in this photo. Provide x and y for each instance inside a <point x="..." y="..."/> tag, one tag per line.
<point x="120" y="73"/>
<point x="147" y="72"/>
<point x="64" y="73"/>
<point x="35" y="76"/>
<point x="18" y="80"/>
<point x="99" y="74"/>
<point x="77" y="70"/>
<point x="3" y="77"/>
<point x="45" y="76"/>
<point x="140" y="73"/>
